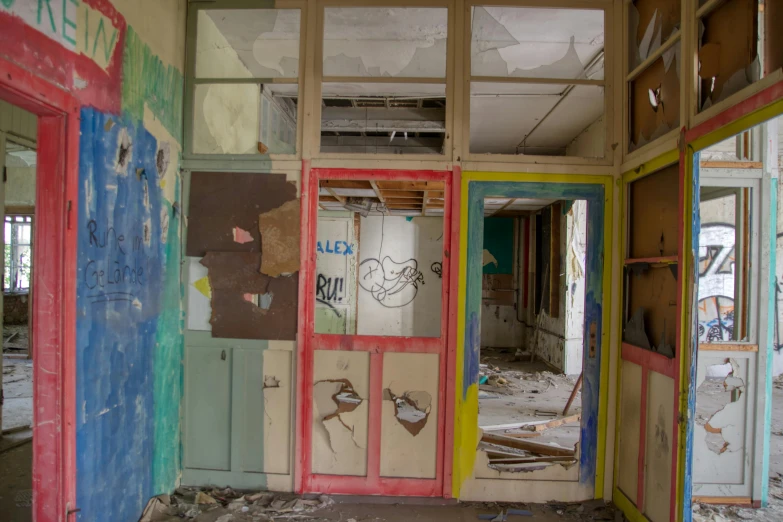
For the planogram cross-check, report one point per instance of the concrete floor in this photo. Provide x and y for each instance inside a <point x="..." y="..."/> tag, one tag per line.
<point x="16" y="483"/>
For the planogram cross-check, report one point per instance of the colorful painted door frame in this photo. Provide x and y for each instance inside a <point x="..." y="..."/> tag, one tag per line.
<point x="54" y="340"/>
<point x="597" y="190"/>
<point x="648" y="360"/>
<point x="373" y="483"/>
<point x="757" y="109"/>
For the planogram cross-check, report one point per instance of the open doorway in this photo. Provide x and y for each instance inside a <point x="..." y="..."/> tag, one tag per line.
<point x="532" y="332"/>
<point x="18" y="130"/>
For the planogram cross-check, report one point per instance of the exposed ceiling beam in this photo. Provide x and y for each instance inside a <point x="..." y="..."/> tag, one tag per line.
<point x="335" y="195"/>
<point x="378" y="193"/>
<point x="424" y="203"/>
<point x="510" y="201"/>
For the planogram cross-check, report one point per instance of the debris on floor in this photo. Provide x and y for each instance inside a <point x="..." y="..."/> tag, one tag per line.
<point x="772" y="513"/>
<point x="18" y="392"/>
<point x="229" y="505"/>
<point x="530" y="403"/>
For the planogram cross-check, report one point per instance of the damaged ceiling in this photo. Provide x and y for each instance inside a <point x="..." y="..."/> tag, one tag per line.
<point x="405" y="43"/>
<point x="396" y="198"/>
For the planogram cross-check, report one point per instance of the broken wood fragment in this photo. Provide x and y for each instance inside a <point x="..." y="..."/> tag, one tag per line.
<point x="554" y="423"/>
<point x="528" y="460"/>
<point x="527" y="445"/>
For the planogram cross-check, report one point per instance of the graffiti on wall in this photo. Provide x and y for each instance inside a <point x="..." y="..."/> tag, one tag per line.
<point x="330" y="291"/>
<point x="392" y="284"/>
<point x="716" y="282"/>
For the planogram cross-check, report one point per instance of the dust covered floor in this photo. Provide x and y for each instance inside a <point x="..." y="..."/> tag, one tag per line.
<point x="227" y="505"/>
<point x="514" y="393"/>
<point x="16" y="483"/>
<point x="18" y="392"/>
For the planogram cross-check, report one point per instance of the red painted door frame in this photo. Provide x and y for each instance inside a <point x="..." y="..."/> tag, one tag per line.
<point x="372" y="483"/>
<point x="54" y="290"/>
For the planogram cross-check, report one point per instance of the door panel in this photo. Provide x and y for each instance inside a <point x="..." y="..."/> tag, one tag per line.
<point x="658" y="447"/>
<point x="409" y="420"/>
<point x="208" y="408"/>
<point x="341" y="388"/>
<point x="728" y="337"/>
<point x="648" y="427"/>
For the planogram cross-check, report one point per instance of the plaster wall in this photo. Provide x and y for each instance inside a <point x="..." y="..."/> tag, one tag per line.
<point x="122" y="61"/>
<point x="399" y="293"/>
<point x="560" y="339"/>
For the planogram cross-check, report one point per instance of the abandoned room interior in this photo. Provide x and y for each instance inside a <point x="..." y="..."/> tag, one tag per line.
<point x="391" y="260"/>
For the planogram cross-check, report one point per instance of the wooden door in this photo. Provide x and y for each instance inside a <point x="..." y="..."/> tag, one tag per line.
<point x="372" y="405"/>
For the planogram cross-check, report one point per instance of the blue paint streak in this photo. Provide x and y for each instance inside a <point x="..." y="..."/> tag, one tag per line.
<point x="595" y="197"/>
<point x="773" y="221"/>
<point x="115" y="338"/>
<point x="687" y="504"/>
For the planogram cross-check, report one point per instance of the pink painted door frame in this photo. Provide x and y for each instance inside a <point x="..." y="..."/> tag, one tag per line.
<point x="373" y="483"/>
<point x="54" y="292"/>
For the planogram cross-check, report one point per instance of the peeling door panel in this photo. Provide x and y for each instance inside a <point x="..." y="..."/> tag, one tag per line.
<point x="631" y="406"/>
<point x="340" y="412"/>
<point x="720" y="441"/>
<point x="409" y="424"/>
<point x="277" y="408"/>
<point x="658" y="447"/>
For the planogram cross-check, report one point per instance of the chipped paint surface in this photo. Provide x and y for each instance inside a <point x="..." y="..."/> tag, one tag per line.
<point x="411" y="409"/>
<point x="128" y="302"/>
<point x="280" y="239"/>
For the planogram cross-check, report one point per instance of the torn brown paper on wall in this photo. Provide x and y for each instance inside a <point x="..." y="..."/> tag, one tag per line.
<point x="279" y="230"/>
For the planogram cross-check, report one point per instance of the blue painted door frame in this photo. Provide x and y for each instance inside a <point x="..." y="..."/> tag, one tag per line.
<point x="594" y="195"/>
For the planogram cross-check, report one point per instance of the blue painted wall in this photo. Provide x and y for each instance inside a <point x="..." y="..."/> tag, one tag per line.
<point x="125" y="234"/>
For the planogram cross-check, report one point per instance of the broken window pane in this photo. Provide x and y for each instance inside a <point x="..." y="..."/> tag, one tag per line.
<point x="537" y="119"/>
<point x="729" y="45"/>
<point x="248" y="43"/>
<point x="379" y="255"/>
<point x="650" y="24"/>
<point x="383" y="118"/>
<point x="655" y="99"/>
<point x="401" y="42"/>
<point x="537" y="43"/>
<point x="245" y="119"/>
<point x="723" y="281"/>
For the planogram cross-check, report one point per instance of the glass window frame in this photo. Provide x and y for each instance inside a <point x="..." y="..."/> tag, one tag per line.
<point x="752" y="285"/>
<point x="15" y="244"/>
<point x="447" y="80"/>
<point x="191" y="81"/>
<point x="606" y="84"/>
<point x="629" y="75"/>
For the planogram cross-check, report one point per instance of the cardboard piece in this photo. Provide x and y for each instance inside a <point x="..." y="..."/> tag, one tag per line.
<point x="233" y="275"/>
<point x="222" y="201"/>
<point x="280" y="239"/>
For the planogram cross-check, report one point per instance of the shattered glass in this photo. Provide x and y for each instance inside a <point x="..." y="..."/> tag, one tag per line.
<point x="729" y="43"/>
<point x="385" y="42"/>
<point x="536" y="43"/>
<point x="248" y="43"/>
<point x="651" y="23"/>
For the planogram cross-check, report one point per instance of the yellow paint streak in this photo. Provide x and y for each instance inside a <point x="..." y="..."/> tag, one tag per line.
<point x="466" y="412"/>
<point x="627" y="507"/>
<point x="664" y="160"/>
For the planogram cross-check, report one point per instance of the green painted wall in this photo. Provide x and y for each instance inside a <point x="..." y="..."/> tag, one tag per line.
<point x="499" y="241"/>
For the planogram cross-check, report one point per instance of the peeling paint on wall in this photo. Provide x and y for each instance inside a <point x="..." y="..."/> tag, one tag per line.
<point x="411" y="409"/>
